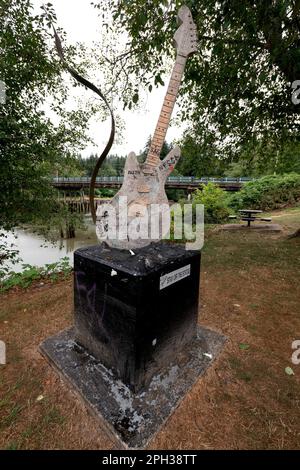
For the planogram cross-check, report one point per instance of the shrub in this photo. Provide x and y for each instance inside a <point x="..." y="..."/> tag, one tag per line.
<point x="24" y="279"/>
<point x="175" y="194"/>
<point x="105" y="192"/>
<point x="215" y="203"/>
<point x="8" y="253"/>
<point x="268" y="193"/>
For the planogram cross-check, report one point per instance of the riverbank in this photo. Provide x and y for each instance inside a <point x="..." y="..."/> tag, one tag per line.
<point x="35" y="250"/>
<point x="249" y="292"/>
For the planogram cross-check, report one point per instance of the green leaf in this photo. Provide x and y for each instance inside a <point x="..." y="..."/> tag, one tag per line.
<point x="244" y="346"/>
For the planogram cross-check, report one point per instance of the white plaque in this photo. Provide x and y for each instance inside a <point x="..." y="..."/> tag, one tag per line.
<point x="174" y="276"/>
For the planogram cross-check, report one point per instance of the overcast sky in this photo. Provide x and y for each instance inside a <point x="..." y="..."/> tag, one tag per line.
<point x="81" y="23"/>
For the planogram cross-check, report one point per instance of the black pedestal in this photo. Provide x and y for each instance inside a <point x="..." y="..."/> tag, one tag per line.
<point x="135" y="313"/>
<point x="135" y="350"/>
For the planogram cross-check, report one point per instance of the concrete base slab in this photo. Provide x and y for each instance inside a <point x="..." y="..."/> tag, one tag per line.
<point x="253" y="227"/>
<point x="131" y="419"/>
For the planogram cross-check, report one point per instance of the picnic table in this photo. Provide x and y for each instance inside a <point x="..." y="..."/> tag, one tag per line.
<point x="250" y="215"/>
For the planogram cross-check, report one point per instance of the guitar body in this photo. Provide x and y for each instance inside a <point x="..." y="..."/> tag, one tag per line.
<point x="142" y="201"/>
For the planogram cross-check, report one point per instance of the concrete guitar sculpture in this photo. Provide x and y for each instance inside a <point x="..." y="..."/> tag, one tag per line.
<point x="143" y="191"/>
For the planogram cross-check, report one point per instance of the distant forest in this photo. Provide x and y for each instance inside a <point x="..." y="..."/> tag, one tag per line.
<point x="199" y="162"/>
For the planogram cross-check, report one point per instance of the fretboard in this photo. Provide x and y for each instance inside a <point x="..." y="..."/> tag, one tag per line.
<point x="166" y="112"/>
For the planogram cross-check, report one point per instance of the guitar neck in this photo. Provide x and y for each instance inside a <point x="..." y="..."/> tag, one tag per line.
<point x="166" y="112"/>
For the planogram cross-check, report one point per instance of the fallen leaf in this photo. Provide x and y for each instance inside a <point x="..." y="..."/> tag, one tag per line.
<point x="40" y="398"/>
<point x="236" y="305"/>
<point x="289" y="371"/>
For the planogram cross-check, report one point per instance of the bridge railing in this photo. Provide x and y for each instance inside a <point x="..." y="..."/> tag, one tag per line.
<point x="87" y="179"/>
<point x="171" y="179"/>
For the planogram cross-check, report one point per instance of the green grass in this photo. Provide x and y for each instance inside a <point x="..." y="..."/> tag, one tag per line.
<point x="14" y="445"/>
<point x="53" y="416"/>
<point x="239" y="250"/>
<point x="37" y="430"/>
<point x="12" y="416"/>
<point x="18" y="397"/>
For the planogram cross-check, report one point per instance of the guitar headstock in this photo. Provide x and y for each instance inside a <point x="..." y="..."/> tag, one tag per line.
<point x="185" y="37"/>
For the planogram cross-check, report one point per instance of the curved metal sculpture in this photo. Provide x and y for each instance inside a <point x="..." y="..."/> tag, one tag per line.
<point x="108" y="146"/>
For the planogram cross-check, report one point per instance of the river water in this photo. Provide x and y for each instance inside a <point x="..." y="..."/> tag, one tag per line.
<point x="34" y="250"/>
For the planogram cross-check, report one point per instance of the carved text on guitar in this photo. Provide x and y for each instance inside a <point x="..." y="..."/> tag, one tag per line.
<point x="144" y="184"/>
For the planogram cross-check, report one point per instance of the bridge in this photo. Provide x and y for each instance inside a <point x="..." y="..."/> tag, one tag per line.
<point x="189" y="183"/>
